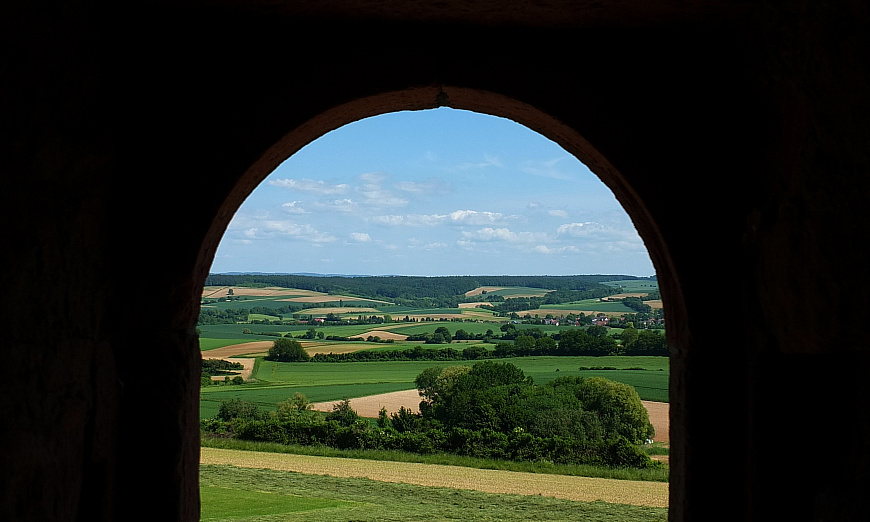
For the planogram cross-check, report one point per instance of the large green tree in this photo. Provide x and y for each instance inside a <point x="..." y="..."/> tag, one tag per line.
<point x="287" y="350"/>
<point x="616" y="404"/>
<point x="499" y="397"/>
<point x="648" y="342"/>
<point x="579" y="342"/>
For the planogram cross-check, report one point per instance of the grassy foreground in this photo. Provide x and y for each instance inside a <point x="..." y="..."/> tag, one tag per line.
<point x="234" y="493"/>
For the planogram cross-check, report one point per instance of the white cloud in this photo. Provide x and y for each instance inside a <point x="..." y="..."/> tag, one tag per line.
<point x="473" y="217"/>
<point x="338" y="205"/>
<point x="558" y="213"/>
<point x="274" y="228"/>
<point x="544" y="249"/>
<point x="292" y="208"/>
<point x="580" y="229"/>
<point x="310" y="185"/>
<point x="429" y="187"/>
<point x="392" y="220"/>
<point x="375" y="178"/>
<point x="361" y="237"/>
<point x="488" y="161"/>
<point x="505" y="235"/>
<point x="457" y="217"/>
<point x="377" y="198"/>
<point x="545" y="169"/>
<point x="375" y="195"/>
<point x="414" y="220"/>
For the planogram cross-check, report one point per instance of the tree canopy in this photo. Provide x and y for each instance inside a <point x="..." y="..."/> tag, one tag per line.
<point x="498" y="396"/>
<point x="287" y="350"/>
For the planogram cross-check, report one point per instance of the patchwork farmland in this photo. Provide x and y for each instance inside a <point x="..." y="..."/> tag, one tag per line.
<point x="379" y="325"/>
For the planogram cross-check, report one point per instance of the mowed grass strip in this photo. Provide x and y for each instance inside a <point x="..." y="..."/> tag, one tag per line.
<point x="373" y="501"/>
<point x="223" y="503"/>
<point x="635" y="493"/>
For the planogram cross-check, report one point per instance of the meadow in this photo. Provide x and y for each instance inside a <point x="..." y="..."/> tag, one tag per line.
<point x="274" y="382"/>
<point x="233" y="492"/>
<point x="321" y="382"/>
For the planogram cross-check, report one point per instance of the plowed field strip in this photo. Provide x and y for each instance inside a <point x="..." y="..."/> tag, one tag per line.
<point x="490" y="481"/>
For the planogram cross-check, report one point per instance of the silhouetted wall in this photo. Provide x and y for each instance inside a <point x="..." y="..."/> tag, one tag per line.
<point x="735" y="135"/>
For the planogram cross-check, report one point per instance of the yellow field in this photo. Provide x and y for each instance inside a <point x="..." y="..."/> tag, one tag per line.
<point x="490" y="481"/>
<point x="221" y="291"/>
<point x="481" y="289"/>
<point x="542" y="312"/>
<point x="335" y="310"/>
<point x="322" y="298"/>
<point x="473" y="305"/>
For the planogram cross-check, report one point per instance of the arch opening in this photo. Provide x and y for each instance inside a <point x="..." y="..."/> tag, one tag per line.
<point x="464" y="100"/>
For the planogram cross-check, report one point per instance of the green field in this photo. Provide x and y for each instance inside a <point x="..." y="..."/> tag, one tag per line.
<point x="517" y="291"/>
<point x="232" y="494"/>
<point x="333" y="381"/>
<point x="635" y="285"/>
<point x="591" y="305"/>
<point x="225" y="503"/>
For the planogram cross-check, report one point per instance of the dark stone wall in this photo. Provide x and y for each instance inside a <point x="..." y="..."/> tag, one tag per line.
<point x="734" y="134"/>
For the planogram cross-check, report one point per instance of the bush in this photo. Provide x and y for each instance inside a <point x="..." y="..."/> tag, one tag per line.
<point x="239" y="409"/>
<point x="343" y="414"/>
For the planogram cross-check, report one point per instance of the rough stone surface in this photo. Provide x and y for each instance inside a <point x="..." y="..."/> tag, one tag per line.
<point x="734" y="134"/>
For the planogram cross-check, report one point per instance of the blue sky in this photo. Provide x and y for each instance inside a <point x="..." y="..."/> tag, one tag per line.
<point x="437" y="192"/>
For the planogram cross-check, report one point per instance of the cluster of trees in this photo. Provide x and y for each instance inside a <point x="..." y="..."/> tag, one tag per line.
<point x="643" y="342"/>
<point x="215" y="367"/>
<point x="210" y="315"/>
<point x="518" y="304"/>
<point x="490" y="410"/>
<point x="592" y="341"/>
<point x="287" y="350"/>
<point x="222" y="316"/>
<point x="417" y="353"/>
<point x="637" y="304"/>
<point x="441" y="335"/>
<point x="499" y="396"/>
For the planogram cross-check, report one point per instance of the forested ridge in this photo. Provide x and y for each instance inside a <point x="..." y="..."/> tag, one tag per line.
<point x="413" y="288"/>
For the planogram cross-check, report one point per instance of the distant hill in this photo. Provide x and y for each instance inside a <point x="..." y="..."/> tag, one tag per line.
<point x="443" y="291"/>
<point x="308" y="274"/>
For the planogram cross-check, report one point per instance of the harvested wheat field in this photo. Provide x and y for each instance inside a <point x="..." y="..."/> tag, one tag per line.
<point x="481" y="289"/>
<point x="474" y="305"/>
<point x="435" y="317"/>
<point x="384" y="334"/>
<point x="247" y="365"/>
<point x="326" y="298"/>
<point x="433" y="475"/>
<point x="339" y="310"/>
<point x="251" y="348"/>
<point x="221" y="291"/>
<point x="313" y="347"/>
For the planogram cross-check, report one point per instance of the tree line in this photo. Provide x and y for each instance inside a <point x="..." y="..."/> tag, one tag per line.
<point x="489" y="410"/>
<point x="424" y="292"/>
<point x="593" y="341"/>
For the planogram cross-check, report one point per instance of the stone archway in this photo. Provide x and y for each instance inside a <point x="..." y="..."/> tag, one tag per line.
<point x="497" y="105"/>
<point x="742" y="128"/>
